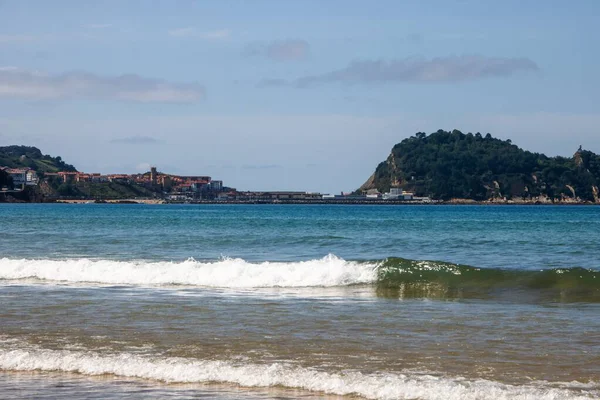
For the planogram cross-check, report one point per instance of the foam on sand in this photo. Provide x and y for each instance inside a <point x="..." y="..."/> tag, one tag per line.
<point x="372" y="386"/>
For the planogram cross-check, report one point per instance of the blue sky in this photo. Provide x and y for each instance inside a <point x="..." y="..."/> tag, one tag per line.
<point x="291" y="95"/>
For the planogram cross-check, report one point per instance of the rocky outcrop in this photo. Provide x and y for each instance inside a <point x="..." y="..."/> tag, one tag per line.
<point x="369" y="184"/>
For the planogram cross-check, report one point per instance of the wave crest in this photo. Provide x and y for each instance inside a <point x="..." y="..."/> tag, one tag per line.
<point x="226" y="273"/>
<point x="392" y="277"/>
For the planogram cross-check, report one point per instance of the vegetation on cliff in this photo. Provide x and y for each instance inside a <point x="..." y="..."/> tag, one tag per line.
<point x="31" y="157"/>
<point x="446" y="165"/>
<point x="95" y="190"/>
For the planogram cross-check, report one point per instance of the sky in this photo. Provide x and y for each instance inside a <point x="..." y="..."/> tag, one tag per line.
<point x="291" y="95"/>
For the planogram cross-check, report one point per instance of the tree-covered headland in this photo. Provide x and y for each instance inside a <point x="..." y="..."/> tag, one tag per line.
<point x="454" y="165"/>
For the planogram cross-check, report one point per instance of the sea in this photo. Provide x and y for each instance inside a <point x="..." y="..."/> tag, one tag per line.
<point x="101" y="301"/>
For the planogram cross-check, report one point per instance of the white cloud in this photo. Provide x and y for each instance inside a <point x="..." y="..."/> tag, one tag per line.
<point x="18" y="83"/>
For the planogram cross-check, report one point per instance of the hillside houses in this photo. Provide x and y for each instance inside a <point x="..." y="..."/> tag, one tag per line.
<point x="21" y="177"/>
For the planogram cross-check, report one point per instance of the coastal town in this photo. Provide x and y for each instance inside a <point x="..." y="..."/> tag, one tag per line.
<point x="168" y="188"/>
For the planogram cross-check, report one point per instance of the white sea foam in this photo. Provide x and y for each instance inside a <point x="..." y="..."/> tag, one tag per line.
<point x="225" y="273"/>
<point x="371" y="386"/>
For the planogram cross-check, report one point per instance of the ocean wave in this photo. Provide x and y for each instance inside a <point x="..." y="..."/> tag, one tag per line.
<point x="391" y="276"/>
<point x="371" y="386"/>
<point x="402" y="273"/>
<point x="226" y="273"/>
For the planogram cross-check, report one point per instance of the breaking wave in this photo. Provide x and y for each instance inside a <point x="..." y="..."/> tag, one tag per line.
<point x="225" y="273"/>
<point x="371" y="386"/>
<point x="391" y="276"/>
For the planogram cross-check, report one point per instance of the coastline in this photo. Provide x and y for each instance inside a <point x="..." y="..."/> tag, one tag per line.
<point x="454" y="202"/>
<point x="23" y="198"/>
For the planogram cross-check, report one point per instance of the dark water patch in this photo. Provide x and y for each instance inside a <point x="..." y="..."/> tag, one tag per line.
<point x="398" y="277"/>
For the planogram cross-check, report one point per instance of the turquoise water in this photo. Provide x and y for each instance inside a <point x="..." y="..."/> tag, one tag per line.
<point x="299" y="301"/>
<point x="526" y="237"/>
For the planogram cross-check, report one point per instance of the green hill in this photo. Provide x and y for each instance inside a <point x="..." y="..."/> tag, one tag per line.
<point x="53" y="187"/>
<point x="451" y="165"/>
<point x="31" y="157"/>
<point x="96" y="191"/>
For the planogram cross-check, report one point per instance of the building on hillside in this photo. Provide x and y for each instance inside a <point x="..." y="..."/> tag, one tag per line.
<point x="96" y="177"/>
<point x="182" y="188"/>
<point x="166" y="182"/>
<point x="118" y="178"/>
<point x="216" y="186"/>
<point x="394" y="194"/>
<point x="22" y="176"/>
<point x="32" y="178"/>
<point x="18" y="175"/>
<point x="199" y="186"/>
<point x="83" y="178"/>
<point x="68" y="176"/>
<point x="153" y="176"/>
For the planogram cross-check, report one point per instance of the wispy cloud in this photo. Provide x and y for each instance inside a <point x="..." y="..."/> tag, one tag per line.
<point x="420" y="70"/>
<point x="18" y="83"/>
<point x="190" y="32"/>
<point x="284" y="50"/>
<point x="136" y="140"/>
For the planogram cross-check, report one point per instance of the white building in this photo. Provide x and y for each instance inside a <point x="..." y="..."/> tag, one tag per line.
<point x="22" y="176"/>
<point x="393" y="194"/>
<point x="398" y="194"/>
<point x="31" y="178"/>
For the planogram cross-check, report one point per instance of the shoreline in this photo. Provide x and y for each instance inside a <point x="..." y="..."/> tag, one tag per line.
<point x="311" y="202"/>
